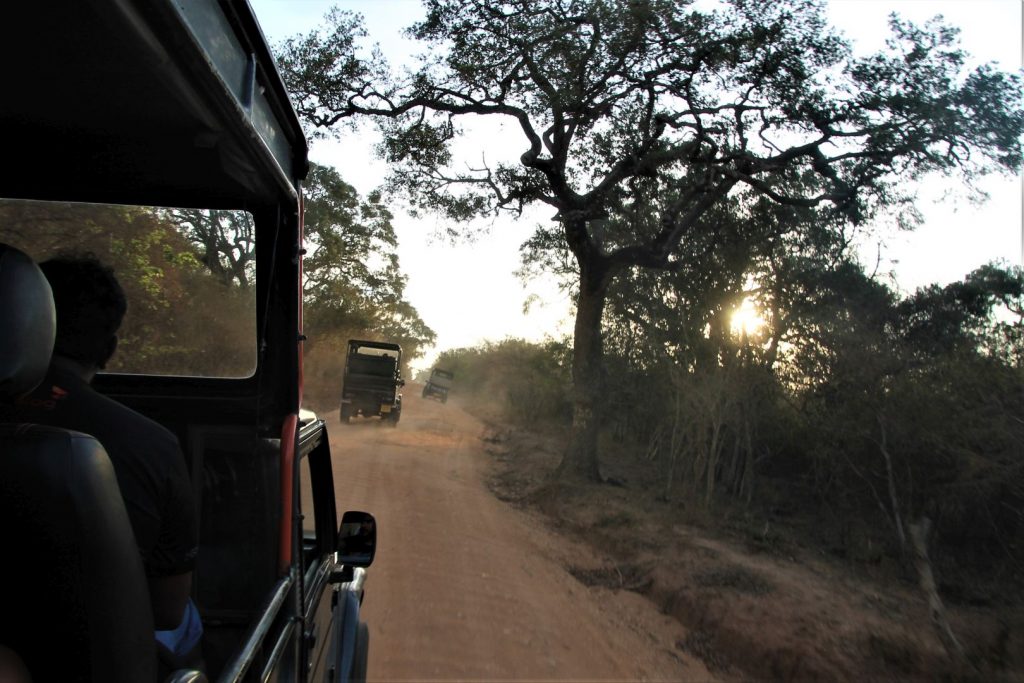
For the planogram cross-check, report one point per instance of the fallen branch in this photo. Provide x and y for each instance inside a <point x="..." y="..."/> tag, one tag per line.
<point x="918" y="537"/>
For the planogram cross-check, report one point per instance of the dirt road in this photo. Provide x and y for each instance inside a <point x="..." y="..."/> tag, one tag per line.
<point x="464" y="586"/>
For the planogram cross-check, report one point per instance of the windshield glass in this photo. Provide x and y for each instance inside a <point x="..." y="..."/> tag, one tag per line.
<point x="188" y="276"/>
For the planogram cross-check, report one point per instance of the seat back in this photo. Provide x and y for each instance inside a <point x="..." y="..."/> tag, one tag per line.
<point x="75" y="603"/>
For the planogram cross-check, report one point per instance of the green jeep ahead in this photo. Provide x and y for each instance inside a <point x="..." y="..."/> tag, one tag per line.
<point x="373" y="377"/>
<point x="438" y="385"/>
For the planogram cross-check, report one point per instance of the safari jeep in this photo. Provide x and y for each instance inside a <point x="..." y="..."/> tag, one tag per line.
<point x="438" y="385"/>
<point x="158" y="136"/>
<point x="372" y="380"/>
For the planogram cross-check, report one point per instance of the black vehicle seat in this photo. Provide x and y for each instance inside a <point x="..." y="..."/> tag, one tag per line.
<point x="74" y="602"/>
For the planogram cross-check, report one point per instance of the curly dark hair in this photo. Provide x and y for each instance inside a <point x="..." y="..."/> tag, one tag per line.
<point x="90" y="306"/>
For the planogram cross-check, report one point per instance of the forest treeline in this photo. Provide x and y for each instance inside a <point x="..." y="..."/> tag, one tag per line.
<point x="189" y="277"/>
<point x="850" y="404"/>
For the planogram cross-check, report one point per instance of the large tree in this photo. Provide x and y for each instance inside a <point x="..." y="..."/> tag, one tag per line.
<point x="617" y="103"/>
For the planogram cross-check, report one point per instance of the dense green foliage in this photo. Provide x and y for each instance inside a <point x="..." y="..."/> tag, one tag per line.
<point x="654" y="129"/>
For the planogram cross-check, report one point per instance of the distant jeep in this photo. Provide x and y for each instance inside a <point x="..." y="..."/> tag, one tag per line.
<point x="373" y="377"/>
<point x="438" y="385"/>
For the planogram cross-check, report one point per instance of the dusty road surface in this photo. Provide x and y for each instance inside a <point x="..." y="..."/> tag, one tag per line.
<point x="464" y="586"/>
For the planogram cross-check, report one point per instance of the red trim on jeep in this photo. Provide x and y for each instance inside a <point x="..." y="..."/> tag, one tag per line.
<point x="288" y="437"/>
<point x="302" y="252"/>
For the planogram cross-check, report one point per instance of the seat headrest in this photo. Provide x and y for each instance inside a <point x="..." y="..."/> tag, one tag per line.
<point x="28" y="323"/>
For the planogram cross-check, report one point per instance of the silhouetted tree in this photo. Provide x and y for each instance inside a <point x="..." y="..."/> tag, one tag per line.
<point x="226" y="241"/>
<point x="657" y="111"/>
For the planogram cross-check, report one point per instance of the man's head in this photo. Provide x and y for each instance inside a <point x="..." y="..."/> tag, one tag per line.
<point x="90" y="307"/>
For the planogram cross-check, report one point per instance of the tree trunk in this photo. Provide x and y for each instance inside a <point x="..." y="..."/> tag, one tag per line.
<point x="580" y="458"/>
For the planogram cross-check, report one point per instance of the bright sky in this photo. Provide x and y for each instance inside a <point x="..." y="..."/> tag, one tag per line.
<point x="468" y="292"/>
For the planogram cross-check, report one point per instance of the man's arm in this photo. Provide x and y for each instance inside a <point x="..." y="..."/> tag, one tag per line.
<point x="169" y="596"/>
<point x="173" y="558"/>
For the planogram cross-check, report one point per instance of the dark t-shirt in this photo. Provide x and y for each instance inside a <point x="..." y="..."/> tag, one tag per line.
<point x="147" y="459"/>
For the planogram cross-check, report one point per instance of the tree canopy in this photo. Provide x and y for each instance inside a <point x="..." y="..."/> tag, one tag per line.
<point x="697" y="101"/>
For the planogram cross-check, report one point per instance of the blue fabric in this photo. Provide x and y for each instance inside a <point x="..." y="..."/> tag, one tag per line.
<point x="185" y="637"/>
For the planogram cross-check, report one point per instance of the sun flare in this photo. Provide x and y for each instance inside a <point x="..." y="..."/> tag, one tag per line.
<point x="747" y="319"/>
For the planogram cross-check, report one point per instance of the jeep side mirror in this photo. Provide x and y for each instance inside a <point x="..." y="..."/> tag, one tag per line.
<point x="357" y="539"/>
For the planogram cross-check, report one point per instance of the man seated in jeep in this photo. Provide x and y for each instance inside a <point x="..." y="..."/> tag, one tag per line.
<point x="147" y="459"/>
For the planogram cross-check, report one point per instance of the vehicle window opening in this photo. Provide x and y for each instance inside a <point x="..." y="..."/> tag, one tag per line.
<point x="188" y="275"/>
